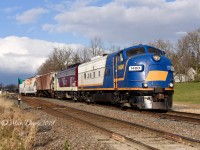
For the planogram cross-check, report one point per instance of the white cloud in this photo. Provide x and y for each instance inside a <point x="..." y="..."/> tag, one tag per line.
<point x="130" y="20"/>
<point x="181" y="33"/>
<point x="25" y="55"/>
<point x="48" y="27"/>
<point x="11" y="9"/>
<point x="30" y="16"/>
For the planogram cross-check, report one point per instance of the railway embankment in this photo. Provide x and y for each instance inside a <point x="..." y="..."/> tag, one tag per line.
<point x="67" y="133"/>
<point x="177" y="126"/>
<point x="39" y="130"/>
<point x="15" y="131"/>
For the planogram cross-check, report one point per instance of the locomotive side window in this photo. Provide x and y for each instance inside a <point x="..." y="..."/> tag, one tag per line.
<point x="135" y="51"/>
<point x="84" y="75"/>
<point x="155" y="50"/>
<point x="108" y="71"/>
<point x="121" y="57"/>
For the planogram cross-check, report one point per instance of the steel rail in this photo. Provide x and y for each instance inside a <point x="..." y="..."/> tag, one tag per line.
<point x="171" y="136"/>
<point x="180" y="113"/>
<point x="119" y="137"/>
<point x="178" y="117"/>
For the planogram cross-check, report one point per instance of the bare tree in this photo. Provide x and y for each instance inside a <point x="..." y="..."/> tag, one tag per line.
<point x="164" y="45"/>
<point x="76" y="58"/>
<point x="184" y="56"/>
<point x="84" y="54"/>
<point x="194" y="40"/>
<point x="96" y="46"/>
<point x="188" y="49"/>
<point x="58" y="60"/>
<point x="194" y="47"/>
<point x="114" y="48"/>
<point x="1" y="86"/>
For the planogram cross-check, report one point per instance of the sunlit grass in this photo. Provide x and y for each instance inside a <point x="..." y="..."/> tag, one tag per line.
<point x="187" y="92"/>
<point x="11" y="135"/>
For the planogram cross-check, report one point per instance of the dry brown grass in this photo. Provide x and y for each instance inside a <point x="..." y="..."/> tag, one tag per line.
<point x="15" y="133"/>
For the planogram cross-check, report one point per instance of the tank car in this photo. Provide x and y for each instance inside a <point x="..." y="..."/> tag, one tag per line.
<point x="139" y="76"/>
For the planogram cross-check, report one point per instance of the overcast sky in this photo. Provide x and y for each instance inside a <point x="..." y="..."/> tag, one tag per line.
<point x="30" y="29"/>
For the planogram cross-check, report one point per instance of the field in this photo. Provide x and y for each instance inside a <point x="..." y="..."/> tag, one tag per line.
<point x="14" y="133"/>
<point x="188" y="93"/>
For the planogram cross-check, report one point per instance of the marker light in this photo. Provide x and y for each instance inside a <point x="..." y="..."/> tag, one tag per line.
<point x="170" y="68"/>
<point x="145" y="85"/>
<point x="171" y="85"/>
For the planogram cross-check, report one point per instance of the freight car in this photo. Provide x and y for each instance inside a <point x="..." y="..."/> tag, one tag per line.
<point x="139" y="76"/>
<point x="45" y="84"/>
<point x="22" y="87"/>
<point x="30" y="86"/>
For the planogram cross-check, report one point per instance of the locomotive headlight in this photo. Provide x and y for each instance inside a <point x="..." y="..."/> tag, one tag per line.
<point x="170" y="68"/>
<point x="145" y="85"/>
<point x="171" y="85"/>
<point x="156" y="57"/>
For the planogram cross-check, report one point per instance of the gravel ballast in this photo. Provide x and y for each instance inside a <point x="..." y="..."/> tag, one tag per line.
<point x="187" y="129"/>
<point x="65" y="133"/>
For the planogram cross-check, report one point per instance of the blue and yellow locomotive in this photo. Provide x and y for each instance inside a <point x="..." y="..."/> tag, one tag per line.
<point x="139" y="76"/>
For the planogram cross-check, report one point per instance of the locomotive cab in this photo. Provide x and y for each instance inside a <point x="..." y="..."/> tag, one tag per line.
<point x="145" y="77"/>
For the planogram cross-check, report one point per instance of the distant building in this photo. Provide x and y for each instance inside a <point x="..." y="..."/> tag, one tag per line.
<point x="185" y="78"/>
<point x="191" y="74"/>
<point x="180" y="78"/>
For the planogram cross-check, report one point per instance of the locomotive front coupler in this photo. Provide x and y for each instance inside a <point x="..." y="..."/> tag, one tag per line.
<point x="158" y="90"/>
<point x="160" y="96"/>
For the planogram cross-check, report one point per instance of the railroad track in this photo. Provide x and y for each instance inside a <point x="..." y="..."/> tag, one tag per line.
<point x="188" y="116"/>
<point x="141" y="137"/>
<point x="174" y="115"/>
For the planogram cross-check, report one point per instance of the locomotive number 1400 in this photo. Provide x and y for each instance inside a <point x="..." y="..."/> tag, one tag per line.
<point x="135" y="68"/>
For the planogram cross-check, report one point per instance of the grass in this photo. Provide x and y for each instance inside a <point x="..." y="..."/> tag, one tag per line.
<point x="13" y="136"/>
<point x="66" y="145"/>
<point x="187" y="92"/>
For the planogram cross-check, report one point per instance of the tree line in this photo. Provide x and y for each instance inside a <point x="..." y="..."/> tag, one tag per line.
<point x="184" y="54"/>
<point x="9" y="87"/>
<point x="61" y="58"/>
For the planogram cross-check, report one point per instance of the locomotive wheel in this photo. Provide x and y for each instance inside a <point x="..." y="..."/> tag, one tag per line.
<point x="123" y="107"/>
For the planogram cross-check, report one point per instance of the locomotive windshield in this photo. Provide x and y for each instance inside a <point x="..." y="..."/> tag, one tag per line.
<point x="135" y="51"/>
<point x="155" y="50"/>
